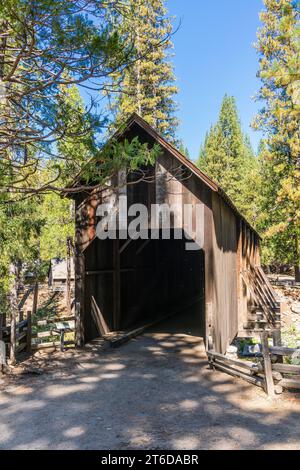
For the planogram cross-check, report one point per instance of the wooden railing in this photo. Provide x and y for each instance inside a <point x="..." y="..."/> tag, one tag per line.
<point x="266" y="373"/>
<point x="262" y="293"/>
<point x="17" y="336"/>
<point x="56" y="328"/>
<point x="20" y="336"/>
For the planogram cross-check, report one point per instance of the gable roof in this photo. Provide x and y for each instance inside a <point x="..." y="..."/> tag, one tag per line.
<point x="135" y="119"/>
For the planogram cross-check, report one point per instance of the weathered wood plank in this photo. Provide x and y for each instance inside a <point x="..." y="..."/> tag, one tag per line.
<point x="45" y="334"/>
<point x="283" y="351"/>
<point x="35" y="299"/>
<point x="235" y="373"/>
<point x="128" y="335"/>
<point x="290" y="383"/>
<point x="51" y="344"/>
<point x="267" y="364"/>
<point x="55" y="320"/>
<point x="236" y="362"/>
<point x="29" y="332"/>
<point x="98" y="318"/>
<point x="286" y="368"/>
<point x="116" y="285"/>
<point x="68" y="280"/>
<point x="13" y="339"/>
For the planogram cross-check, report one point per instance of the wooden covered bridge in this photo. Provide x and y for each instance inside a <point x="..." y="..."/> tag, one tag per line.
<point x="122" y="283"/>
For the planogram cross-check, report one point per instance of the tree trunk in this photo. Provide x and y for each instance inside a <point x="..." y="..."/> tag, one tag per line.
<point x="68" y="280"/>
<point x="296" y="259"/>
<point x="297" y="273"/>
<point x="13" y="312"/>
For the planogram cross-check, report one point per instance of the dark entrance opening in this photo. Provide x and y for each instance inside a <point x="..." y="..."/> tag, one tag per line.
<point x="156" y="278"/>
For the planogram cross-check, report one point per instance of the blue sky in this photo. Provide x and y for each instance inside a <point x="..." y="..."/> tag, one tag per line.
<point x="214" y="55"/>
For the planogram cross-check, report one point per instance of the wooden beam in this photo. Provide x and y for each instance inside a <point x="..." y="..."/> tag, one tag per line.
<point x="283" y="351"/>
<point x="52" y="345"/>
<point x="56" y="319"/>
<point x="267" y="364"/>
<point x="122" y="270"/>
<point x="143" y="246"/>
<point x="13" y="338"/>
<point x="35" y="300"/>
<point x="124" y="337"/>
<point x="235" y="373"/>
<point x="79" y="259"/>
<point x="276" y="334"/>
<point x="98" y="318"/>
<point x="236" y="362"/>
<point x="29" y="332"/>
<point x="116" y="285"/>
<point x="286" y="368"/>
<point x="125" y="245"/>
<point x="290" y="383"/>
<point x="68" y="280"/>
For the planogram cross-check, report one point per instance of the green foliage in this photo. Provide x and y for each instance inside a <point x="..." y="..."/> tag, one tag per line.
<point x="46" y="47"/>
<point x="147" y="86"/>
<point x="58" y="225"/>
<point x="20" y="227"/>
<point x="279" y="49"/>
<point x="227" y="157"/>
<point x="184" y="150"/>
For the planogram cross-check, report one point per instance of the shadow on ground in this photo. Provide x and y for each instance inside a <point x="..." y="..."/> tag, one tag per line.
<point x="155" y="392"/>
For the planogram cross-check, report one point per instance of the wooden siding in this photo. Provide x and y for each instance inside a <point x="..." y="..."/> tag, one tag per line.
<point x="248" y="256"/>
<point x="225" y="306"/>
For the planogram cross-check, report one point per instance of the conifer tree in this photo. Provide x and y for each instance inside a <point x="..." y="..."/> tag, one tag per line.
<point x="44" y="46"/>
<point x="148" y="86"/>
<point x="184" y="150"/>
<point x="227" y="157"/>
<point x="279" y="49"/>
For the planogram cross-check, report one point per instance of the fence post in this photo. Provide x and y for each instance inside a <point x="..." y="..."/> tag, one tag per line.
<point x="13" y="338"/>
<point x="78" y="333"/>
<point x="68" y="280"/>
<point x="28" y="337"/>
<point x="21" y="315"/>
<point x="35" y="299"/>
<point x="276" y="334"/>
<point x="1" y="326"/>
<point x="2" y="345"/>
<point x="267" y="364"/>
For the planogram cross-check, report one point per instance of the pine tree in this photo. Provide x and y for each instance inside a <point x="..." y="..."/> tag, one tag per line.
<point x="227" y="157"/>
<point x="45" y="45"/>
<point x="279" y="49"/>
<point x="184" y="150"/>
<point x="147" y="86"/>
<point x="20" y="227"/>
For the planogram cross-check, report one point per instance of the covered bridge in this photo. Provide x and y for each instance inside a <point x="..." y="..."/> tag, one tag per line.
<point x="129" y="282"/>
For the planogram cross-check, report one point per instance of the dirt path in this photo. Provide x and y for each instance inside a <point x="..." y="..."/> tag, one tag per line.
<point x="156" y="392"/>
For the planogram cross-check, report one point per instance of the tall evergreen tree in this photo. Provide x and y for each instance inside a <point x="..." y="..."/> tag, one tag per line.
<point x="148" y="86"/>
<point x="279" y="49"/>
<point x="184" y="150"/>
<point x="227" y="157"/>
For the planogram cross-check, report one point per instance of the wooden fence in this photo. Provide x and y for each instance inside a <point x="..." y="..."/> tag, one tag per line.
<point x="268" y="372"/>
<point x="17" y="336"/>
<point x="29" y="334"/>
<point x="25" y="336"/>
<point x="57" y="328"/>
